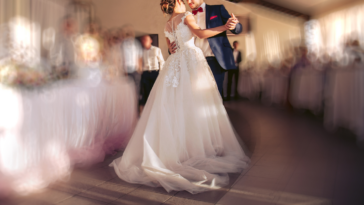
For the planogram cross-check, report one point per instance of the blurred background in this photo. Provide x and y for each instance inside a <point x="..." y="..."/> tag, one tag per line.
<point x="300" y="56"/>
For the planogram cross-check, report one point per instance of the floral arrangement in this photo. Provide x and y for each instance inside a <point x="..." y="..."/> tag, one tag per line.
<point x="19" y="75"/>
<point x="88" y="48"/>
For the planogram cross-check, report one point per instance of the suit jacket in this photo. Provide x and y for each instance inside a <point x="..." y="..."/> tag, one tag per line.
<point x="239" y="58"/>
<point x="217" y="15"/>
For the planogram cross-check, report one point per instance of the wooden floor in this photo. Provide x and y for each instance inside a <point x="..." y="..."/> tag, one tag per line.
<point x="294" y="161"/>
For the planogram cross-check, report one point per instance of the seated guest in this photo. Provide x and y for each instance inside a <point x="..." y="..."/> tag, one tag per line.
<point x="234" y="73"/>
<point x="153" y="62"/>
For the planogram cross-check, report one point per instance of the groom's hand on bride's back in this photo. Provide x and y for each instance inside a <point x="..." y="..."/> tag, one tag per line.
<point x="172" y="48"/>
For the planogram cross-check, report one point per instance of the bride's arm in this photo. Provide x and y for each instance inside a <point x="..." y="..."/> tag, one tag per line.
<point x="168" y="42"/>
<point x="203" y="33"/>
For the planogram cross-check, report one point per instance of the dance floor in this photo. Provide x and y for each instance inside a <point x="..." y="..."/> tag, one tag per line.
<point x="294" y="161"/>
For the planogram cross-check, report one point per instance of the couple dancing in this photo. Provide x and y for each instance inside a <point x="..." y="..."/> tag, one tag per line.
<point x="184" y="139"/>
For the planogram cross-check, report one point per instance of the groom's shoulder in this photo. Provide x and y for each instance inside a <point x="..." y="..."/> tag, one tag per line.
<point x="215" y="5"/>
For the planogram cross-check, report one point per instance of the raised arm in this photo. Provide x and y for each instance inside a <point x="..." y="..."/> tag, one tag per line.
<point x="225" y="18"/>
<point x="202" y="33"/>
<point x="169" y="46"/>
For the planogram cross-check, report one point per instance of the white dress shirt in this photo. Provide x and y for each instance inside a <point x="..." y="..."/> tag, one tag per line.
<point x="201" y="22"/>
<point x="153" y="59"/>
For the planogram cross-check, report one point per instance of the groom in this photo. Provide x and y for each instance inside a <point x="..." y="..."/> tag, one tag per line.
<point x="216" y="49"/>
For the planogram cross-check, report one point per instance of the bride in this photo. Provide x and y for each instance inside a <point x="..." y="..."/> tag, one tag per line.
<point x="184" y="139"/>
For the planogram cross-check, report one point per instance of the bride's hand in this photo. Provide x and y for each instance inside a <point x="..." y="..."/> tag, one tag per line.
<point x="172" y="47"/>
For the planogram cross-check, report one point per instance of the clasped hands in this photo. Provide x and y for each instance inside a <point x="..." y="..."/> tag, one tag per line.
<point x="231" y="23"/>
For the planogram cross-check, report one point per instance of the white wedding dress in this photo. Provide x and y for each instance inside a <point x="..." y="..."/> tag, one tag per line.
<point x="184" y="139"/>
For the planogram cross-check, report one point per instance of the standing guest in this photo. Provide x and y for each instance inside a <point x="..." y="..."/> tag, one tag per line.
<point x="132" y="58"/>
<point x="62" y="54"/>
<point x="153" y="62"/>
<point x="234" y="72"/>
<point x="113" y="54"/>
<point x="118" y="38"/>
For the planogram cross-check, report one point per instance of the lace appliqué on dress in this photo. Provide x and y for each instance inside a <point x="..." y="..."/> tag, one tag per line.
<point x="173" y="75"/>
<point x="179" y="35"/>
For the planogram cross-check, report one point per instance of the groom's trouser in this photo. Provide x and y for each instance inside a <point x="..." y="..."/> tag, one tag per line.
<point x="218" y="72"/>
<point x="147" y="83"/>
<point x="232" y="73"/>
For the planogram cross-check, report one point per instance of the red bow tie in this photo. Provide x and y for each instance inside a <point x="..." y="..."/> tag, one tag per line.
<point x="198" y="10"/>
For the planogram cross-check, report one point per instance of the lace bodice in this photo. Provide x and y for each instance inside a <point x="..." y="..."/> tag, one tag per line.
<point x="178" y="32"/>
<point x="188" y="57"/>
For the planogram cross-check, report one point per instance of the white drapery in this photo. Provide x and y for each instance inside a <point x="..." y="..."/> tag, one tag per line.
<point x="29" y="28"/>
<point x="334" y="30"/>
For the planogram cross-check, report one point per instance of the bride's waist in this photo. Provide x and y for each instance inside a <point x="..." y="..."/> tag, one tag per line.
<point x="186" y="47"/>
<point x="188" y="44"/>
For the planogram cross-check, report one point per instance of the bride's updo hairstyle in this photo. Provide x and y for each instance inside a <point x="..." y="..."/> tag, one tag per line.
<point x="167" y="6"/>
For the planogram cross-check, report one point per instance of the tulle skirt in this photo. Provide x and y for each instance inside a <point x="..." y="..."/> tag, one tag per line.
<point x="184" y="139"/>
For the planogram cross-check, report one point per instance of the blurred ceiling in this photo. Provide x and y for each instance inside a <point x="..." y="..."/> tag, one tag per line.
<point x="310" y="7"/>
<point x="299" y="8"/>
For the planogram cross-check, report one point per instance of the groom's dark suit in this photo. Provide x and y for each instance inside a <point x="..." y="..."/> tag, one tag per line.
<point x="217" y="15"/>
